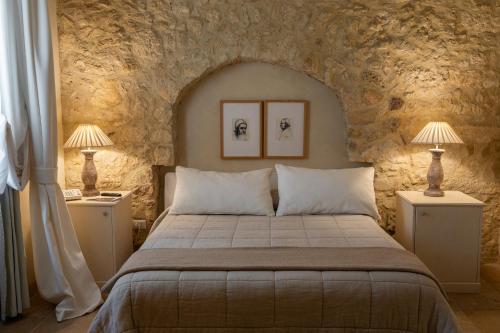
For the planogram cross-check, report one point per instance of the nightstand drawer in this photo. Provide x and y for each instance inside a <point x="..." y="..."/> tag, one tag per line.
<point x="447" y="241"/>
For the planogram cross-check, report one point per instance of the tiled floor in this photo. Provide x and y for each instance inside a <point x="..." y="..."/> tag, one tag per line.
<point x="480" y="312"/>
<point x="40" y="318"/>
<point x="475" y="312"/>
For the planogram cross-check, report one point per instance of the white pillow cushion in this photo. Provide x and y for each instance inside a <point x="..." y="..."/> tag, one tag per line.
<point x="210" y="192"/>
<point x="314" y="191"/>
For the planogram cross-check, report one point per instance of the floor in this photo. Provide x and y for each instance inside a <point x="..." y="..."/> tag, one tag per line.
<point x="480" y="312"/>
<point x="475" y="312"/>
<point x="40" y="318"/>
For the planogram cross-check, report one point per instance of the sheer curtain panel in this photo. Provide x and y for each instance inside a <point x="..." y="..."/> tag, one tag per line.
<point x="62" y="275"/>
<point x="14" y="159"/>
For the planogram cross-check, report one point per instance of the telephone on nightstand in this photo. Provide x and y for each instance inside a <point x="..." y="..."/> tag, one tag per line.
<point x="74" y="194"/>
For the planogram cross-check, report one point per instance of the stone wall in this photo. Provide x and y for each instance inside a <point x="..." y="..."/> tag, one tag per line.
<point x="395" y="65"/>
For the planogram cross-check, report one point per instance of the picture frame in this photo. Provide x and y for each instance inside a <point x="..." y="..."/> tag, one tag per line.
<point x="286" y="129"/>
<point x="241" y="129"/>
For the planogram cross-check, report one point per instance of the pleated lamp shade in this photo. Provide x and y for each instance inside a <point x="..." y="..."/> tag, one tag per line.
<point x="436" y="133"/>
<point x="86" y="136"/>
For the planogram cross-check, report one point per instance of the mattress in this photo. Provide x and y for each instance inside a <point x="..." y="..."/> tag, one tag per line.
<point x="273" y="301"/>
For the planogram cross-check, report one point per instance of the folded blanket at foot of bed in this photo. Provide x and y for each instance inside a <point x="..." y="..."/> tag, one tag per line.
<point x="274" y="290"/>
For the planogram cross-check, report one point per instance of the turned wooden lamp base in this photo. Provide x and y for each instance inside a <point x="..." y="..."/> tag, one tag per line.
<point x="87" y="136"/>
<point x="89" y="174"/>
<point x="436" y="133"/>
<point x="435" y="175"/>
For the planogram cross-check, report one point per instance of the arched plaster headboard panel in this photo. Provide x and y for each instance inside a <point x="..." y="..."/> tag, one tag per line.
<point x="198" y="117"/>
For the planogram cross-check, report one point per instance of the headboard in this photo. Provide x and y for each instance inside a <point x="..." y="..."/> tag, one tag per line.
<point x="169" y="189"/>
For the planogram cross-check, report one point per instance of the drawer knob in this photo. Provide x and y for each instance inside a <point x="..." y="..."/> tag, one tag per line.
<point x="425" y="214"/>
<point x="104" y="213"/>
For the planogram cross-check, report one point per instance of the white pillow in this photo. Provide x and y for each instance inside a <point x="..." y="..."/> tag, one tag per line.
<point x="313" y="191"/>
<point x="210" y="192"/>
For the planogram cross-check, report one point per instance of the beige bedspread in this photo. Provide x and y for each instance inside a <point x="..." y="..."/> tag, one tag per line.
<point x="343" y="288"/>
<point x="273" y="259"/>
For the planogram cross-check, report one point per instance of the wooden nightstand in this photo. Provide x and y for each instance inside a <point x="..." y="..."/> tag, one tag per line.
<point x="445" y="233"/>
<point x="104" y="231"/>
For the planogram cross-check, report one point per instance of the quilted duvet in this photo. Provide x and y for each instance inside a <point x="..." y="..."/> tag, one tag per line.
<point x="327" y="300"/>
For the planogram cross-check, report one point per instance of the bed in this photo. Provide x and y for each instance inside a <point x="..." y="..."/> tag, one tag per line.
<point x="237" y="273"/>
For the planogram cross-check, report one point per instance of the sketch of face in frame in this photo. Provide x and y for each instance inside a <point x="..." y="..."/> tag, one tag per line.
<point x="240" y="129"/>
<point x="284" y="129"/>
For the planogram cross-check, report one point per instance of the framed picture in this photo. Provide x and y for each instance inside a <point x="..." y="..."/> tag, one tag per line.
<point x="286" y="125"/>
<point x="241" y="129"/>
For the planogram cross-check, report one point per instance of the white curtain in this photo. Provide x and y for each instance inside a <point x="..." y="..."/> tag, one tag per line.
<point x="14" y="158"/>
<point x="14" y="146"/>
<point x="61" y="272"/>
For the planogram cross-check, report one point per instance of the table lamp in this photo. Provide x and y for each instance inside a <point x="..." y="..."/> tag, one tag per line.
<point x="436" y="133"/>
<point x="87" y="136"/>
